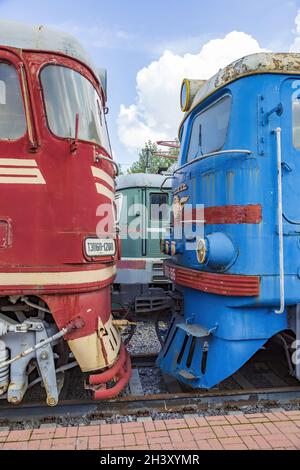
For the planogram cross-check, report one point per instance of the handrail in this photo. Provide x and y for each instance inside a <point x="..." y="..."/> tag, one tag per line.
<point x="280" y="221"/>
<point x="99" y="156"/>
<point x="166" y="179"/>
<point x="212" y="154"/>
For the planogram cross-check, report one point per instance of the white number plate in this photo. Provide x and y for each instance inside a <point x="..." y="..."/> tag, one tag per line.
<point x="100" y="247"/>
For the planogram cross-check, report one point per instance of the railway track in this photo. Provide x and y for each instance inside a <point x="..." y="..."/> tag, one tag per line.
<point x="185" y="402"/>
<point x="244" y="389"/>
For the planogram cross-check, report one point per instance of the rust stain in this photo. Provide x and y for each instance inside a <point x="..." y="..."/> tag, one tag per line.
<point x="259" y="63"/>
<point x="263" y="62"/>
<point x="249" y="214"/>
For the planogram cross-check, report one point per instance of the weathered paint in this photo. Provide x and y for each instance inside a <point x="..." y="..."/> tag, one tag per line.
<point x="97" y="350"/>
<point x="254" y="64"/>
<point x="239" y="192"/>
<point x="120" y="373"/>
<point x="42" y="38"/>
<point x="213" y="283"/>
<point x="131" y="264"/>
<point x="43" y="225"/>
<point x="235" y="214"/>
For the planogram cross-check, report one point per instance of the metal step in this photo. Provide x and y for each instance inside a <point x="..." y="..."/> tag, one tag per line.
<point x="194" y="330"/>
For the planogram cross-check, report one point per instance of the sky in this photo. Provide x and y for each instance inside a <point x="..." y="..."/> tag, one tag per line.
<point x="149" y="46"/>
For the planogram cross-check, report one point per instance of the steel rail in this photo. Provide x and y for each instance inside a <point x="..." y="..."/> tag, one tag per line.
<point x="144" y="404"/>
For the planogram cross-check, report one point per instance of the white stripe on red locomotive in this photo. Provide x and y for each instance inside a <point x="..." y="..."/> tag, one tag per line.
<point x="98" y="173"/>
<point x="101" y="188"/>
<point x="57" y="278"/>
<point x="12" y="171"/>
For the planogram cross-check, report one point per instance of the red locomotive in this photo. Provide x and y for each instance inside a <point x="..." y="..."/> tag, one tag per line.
<point x="57" y="260"/>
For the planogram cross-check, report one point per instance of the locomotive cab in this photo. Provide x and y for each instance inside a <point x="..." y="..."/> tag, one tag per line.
<point x="57" y="259"/>
<point x="143" y="219"/>
<point x="236" y="189"/>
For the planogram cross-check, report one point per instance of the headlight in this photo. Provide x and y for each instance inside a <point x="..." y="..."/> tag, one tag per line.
<point x="173" y="248"/>
<point x="201" y="250"/>
<point x="189" y="89"/>
<point x="217" y="251"/>
<point x="185" y="95"/>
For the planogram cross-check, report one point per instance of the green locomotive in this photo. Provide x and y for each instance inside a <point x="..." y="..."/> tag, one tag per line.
<point x="143" y="219"/>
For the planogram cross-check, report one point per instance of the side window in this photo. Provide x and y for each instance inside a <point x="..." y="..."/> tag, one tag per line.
<point x="159" y="209"/>
<point x="296" y="114"/>
<point x="12" y="115"/>
<point x="209" y="129"/>
<point x="2" y="92"/>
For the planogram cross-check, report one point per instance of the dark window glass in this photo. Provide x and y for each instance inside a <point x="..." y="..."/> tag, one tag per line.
<point x="209" y="129"/>
<point x="68" y="93"/>
<point x="12" y="116"/>
<point x="159" y="206"/>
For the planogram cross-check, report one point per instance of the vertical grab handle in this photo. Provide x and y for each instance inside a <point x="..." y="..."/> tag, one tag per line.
<point x="280" y="222"/>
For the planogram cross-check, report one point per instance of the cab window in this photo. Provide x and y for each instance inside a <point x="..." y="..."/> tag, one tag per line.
<point x="209" y="129"/>
<point x="12" y="115"/>
<point x="159" y="206"/>
<point x="119" y="204"/>
<point x="67" y="93"/>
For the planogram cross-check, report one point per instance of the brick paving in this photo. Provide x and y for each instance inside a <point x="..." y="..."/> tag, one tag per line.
<point x="258" y="431"/>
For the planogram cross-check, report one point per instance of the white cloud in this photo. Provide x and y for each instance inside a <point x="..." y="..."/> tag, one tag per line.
<point x="295" y="47"/>
<point x="180" y="45"/>
<point x="156" y="113"/>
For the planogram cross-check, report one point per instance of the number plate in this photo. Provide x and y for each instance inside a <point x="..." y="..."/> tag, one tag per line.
<point x="100" y="247"/>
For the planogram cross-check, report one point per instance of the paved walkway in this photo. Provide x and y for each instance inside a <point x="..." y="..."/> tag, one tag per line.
<point x="276" y="430"/>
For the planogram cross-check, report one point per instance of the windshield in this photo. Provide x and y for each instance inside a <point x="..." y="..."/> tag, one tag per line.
<point x="12" y="116"/>
<point x="68" y="93"/>
<point x="209" y="129"/>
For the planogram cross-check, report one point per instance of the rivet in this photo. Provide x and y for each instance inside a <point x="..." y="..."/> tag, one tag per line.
<point x="51" y="401"/>
<point x="44" y="355"/>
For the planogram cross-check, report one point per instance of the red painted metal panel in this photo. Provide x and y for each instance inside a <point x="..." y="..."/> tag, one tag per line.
<point x="88" y="306"/>
<point x="4" y="234"/>
<point x="64" y="200"/>
<point x="131" y="264"/>
<point x="56" y="289"/>
<point x="213" y="283"/>
<point x="51" y="220"/>
<point x="247" y="214"/>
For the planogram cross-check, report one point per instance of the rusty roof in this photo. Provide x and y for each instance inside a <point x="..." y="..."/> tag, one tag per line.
<point x="262" y="62"/>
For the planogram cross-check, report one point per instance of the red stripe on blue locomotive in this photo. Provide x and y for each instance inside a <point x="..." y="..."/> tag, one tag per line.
<point x="230" y="214"/>
<point x="213" y="283"/>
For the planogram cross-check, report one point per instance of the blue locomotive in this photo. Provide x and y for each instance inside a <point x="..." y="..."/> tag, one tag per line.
<point x="236" y="201"/>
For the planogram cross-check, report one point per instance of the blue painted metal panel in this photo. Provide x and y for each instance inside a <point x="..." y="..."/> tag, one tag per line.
<point x="243" y="324"/>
